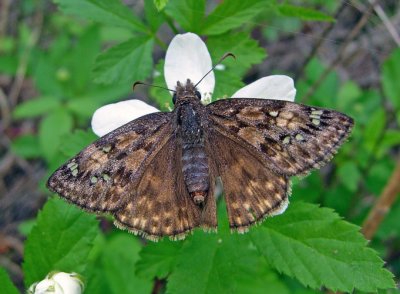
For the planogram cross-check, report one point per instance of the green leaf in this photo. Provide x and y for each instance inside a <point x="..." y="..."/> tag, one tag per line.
<point x="390" y="139"/>
<point x="81" y="59"/>
<point x="35" y="107"/>
<point x="226" y="84"/>
<point x="374" y="129"/>
<point x="7" y="285"/>
<point x="51" y="129"/>
<point x="348" y="94"/>
<point x="61" y="240"/>
<point x="8" y="64"/>
<point x="246" y="50"/>
<point x="75" y="142"/>
<point x="189" y="13"/>
<point x="315" y="246"/>
<point x="390" y="81"/>
<point x="221" y="263"/>
<point x="350" y="175"/>
<point x="160" y="96"/>
<point x="232" y="14"/>
<point x="26" y="146"/>
<point x="330" y="85"/>
<point x="160" y="4"/>
<point x="303" y="13"/>
<point x="129" y="61"/>
<point x="158" y="259"/>
<point x="153" y="15"/>
<point x="108" y="12"/>
<point x="121" y="276"/>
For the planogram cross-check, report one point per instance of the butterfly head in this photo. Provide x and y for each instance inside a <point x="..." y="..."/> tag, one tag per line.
<point x="185" y="93"/>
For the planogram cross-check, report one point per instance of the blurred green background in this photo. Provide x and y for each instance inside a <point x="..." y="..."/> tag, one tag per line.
<point x="61" y="60"/>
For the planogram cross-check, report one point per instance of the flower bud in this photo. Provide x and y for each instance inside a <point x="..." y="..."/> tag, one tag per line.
<point x="58" y="283"/>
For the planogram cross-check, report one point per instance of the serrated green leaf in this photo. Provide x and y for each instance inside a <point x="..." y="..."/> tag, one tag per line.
<point x="303" y="13"/>
<point x="318" y="248"/>
<point x="189" y="14"/>
<point x="61" y="240"/>
<point x="7" y="286"/>
<point x="35" y="107"/>
<point x="232" y="14"/>
<point x="160" y="4"/>
<point x="108" y="12"/>
<point x="390" y="74"/>
<point x="221" y="263"/>
<point x="158" y="259"/>
<point x="121" y="277"/>
<point x="129" y="61"/>
<point x="246" y="50"/>
<point x="51" y="129"/>
<point x="226" y="84"/>
<point x="26" y="146"/>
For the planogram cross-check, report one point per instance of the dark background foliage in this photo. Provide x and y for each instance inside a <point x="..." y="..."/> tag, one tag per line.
<point x="61" y="60"/>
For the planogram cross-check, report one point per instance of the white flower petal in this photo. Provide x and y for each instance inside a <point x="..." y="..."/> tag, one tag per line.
<point x="278" y="87"/>
<point x="112" y="116"/>
<point x="188" y="58"/>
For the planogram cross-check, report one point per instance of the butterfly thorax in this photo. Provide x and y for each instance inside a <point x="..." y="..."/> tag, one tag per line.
<point x="194" y="158"/>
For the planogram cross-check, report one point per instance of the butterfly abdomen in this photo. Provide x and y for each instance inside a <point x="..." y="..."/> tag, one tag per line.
<point x="195" y="171"/>
<point x="194" y="158"/>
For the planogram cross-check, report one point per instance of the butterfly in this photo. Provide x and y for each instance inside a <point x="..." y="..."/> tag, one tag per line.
<point x="157" y="174"/>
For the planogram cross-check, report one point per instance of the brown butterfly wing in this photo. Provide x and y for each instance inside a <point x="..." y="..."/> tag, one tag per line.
<point x="291" y="138"/>
<point x="161" y="205"/>
<point x="104" y="175"/>
<point x="252" y="190"/>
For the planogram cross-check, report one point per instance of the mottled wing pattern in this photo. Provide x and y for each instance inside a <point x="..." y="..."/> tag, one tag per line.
<point x="161" y="205"/>
<point x="290" y="138"/>
<point x="252" y="190"/>
<point x="104" y="175"/>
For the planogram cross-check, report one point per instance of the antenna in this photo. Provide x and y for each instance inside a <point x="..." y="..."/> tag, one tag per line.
<point x="228" y="54"/>
<point x="142" y="83"/>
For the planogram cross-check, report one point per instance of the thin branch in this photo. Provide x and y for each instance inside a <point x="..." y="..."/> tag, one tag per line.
<point x="383" y="204"/>
<point x="4" y="11"/>
<point x="23" y="64"/>
<point x="387" y="23"/>
<point x="354" y="32"/>
<point x="317" y="45"/>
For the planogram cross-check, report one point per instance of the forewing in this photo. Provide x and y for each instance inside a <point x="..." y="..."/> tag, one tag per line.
<point x="161" y="206"/>
<point x="104" y="175"/>
<point x="252" y="190"/>
<point x="292" y="138"/>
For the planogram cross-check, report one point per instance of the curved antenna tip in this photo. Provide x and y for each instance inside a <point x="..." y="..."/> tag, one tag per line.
<point x="149" y="85"/>
<point x="228" y="54"/>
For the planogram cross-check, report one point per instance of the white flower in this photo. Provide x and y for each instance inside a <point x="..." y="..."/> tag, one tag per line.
<point x="58" y="283"/>
<point x="188" y="58"/>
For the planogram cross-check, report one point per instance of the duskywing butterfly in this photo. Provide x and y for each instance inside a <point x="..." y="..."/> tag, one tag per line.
<point x="156" y="175"/>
